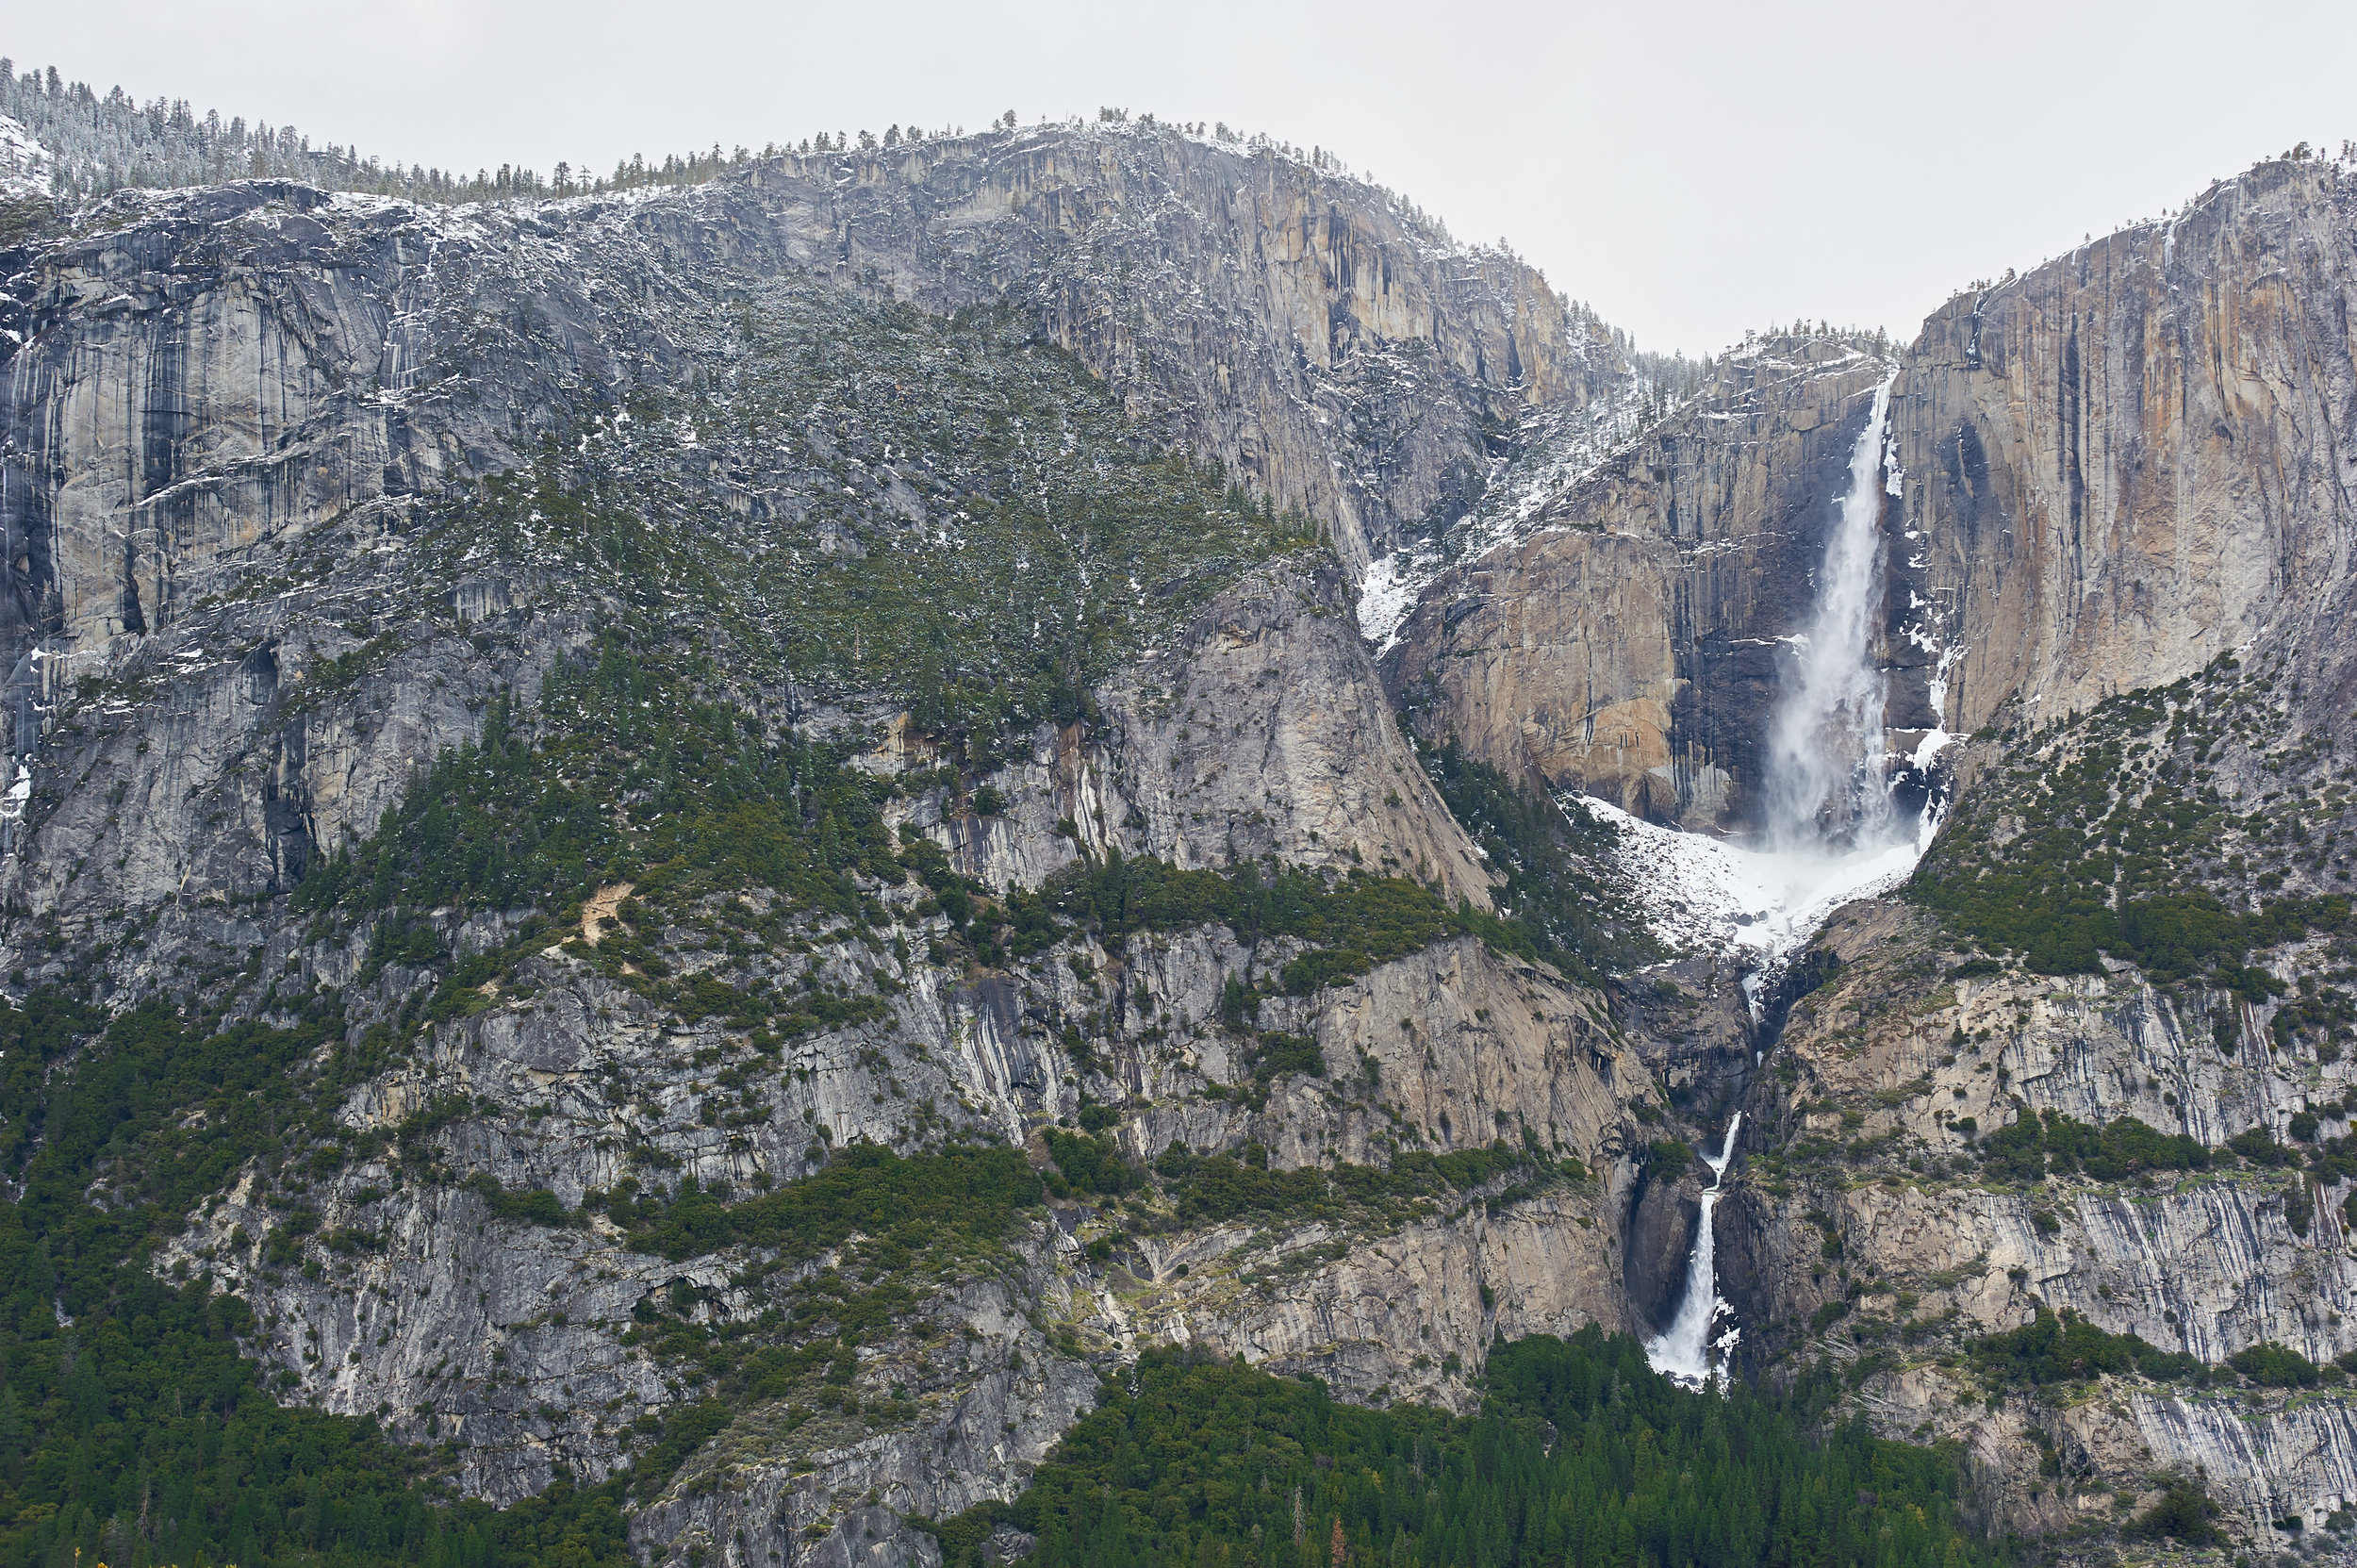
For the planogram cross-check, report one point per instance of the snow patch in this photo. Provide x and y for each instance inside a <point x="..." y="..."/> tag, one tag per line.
<point x="25" y="166"/>
<point x="1388" y="593"/>
<point x="1706" y="894"/>
<point x="1562" y="447"/>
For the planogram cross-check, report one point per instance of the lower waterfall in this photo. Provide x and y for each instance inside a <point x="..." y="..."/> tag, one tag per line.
<point x="1686" y="1350"/>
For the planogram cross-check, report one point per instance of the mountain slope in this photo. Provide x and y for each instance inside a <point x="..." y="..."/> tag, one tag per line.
<point x="713" y="844"/>
<point x="690" y="710"/>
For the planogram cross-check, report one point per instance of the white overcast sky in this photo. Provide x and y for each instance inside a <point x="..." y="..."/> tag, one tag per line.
<point x="1691" y="171"/>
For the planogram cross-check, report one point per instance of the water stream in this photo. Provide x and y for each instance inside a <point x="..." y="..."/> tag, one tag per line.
<point x="1829" y="830"/>
<point x="1686" y="1350"/>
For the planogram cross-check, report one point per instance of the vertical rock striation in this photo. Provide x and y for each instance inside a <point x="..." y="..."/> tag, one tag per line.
<point x="1625" y="646"/>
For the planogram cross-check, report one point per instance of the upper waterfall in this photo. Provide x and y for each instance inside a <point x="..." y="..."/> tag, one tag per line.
<point x="1824" y="784"/>
<point x="1828" y="828"/>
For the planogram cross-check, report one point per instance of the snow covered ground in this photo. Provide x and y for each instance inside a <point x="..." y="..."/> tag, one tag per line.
<point x="1562" y="446"/>
<point x="1704" y="894"/>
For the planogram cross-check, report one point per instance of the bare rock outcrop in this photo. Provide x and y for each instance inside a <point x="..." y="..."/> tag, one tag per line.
<point x="2102" y="473"/>
<point x="1625" y="645"/>
<point x="2137" y="456"/>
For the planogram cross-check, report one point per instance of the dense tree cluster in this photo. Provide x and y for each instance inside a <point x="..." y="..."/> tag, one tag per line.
<point x="2124" y="1146"/>
<point x="2053" y="1348"/>
<point x="865" y="1190"/>
<point x="1582" y="1455"/>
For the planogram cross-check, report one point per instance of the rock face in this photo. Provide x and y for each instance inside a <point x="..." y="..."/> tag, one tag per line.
<point x="214" y="371"/>
<point x="1660" y="1244"/>
<point x="2206" y="1267"/>
<point x="1626" y="648"/>
<point x="1272" y="734"/>
<point x="256" y="582"/>
<point x="2137" y="456"/>
<point x="1460" y="1041"/>
<point x="2105" y="473"/>
<point x="2100" y="476"/>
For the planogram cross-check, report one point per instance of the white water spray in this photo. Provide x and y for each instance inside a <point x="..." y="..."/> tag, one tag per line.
<point x="1686" y="1350"/>
<point x="1824" y="774"/>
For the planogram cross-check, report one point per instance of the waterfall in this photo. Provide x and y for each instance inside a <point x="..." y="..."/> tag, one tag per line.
<point x="1829" y="829"/>
<point x="1824" y="779"/>
<point x="1684" y="1350"/>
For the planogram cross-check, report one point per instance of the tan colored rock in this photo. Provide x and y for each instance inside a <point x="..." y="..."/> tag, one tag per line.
<point x="1625" y="647"/>
<point x="2131" y="458"/>
<point x="2109" y="470"/>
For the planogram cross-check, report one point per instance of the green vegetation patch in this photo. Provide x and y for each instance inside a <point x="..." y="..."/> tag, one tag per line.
<point x="1351" y="921"/>
<point x="2065" y="1347"/>
<point x="2270" y="1365"/>
<point x="1085" y="1165"/>
<point x="1570" y="914"/>
<point x="2097" y="837"/>
<point x="2184" y="1513"/>
<point x="1018" y="540"/>
<point x="2038" y="1144"/>
<point x="132" y="1427"/>
<point x="923" y="1200"/>
<point x="1210" y="1188"/>
<point x="636" y="771"/>
<point x="639" y="765"/>
<point x="2036" y="1141"/>
<point x="1581" y="1455"/>
<point x="2068" y="1348"/>
<point x="906" y="1224"/>
<point x="2332" y="1158"/>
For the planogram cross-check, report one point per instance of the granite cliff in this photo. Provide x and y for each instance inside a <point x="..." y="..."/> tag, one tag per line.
<point x="345" y="535"/>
